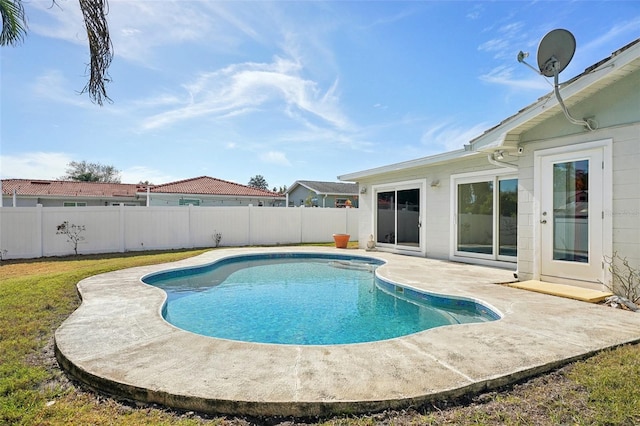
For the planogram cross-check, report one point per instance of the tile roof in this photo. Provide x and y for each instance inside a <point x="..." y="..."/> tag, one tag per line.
<point x="67" y="188"/>
<point x="205" y="185"/>
<point x="333" y="188"/>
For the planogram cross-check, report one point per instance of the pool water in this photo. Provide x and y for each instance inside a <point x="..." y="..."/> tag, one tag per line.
<point x="301" y="300"/>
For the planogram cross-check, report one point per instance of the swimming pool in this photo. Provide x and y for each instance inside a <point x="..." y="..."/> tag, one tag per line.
<point x="303" y="299"/>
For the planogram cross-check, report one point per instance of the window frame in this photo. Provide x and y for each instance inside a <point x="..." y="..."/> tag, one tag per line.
<point x="420" y="185"/>
<point x="494" y="176"/>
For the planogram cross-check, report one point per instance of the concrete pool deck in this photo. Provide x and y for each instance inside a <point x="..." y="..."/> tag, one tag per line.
<point x="117" y="342"/>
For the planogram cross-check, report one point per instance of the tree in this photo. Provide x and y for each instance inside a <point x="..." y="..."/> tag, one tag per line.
<point x="73" y="233"/>
<point x="91" y="172"/>
<point x="258" y="181"/>
<point x="94" y="12"/>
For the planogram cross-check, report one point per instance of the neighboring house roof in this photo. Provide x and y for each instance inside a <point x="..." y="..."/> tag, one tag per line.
<point x="66" y="188"/>
<point x="205" y="185"/>
<point x="326" y="188"/>
<point x="506" y="134"/>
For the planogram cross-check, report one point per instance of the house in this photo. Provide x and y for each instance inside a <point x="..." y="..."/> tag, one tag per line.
<point x="210" y="192"/>
<point x="199" y="191"/>
<point x="65" y="193"/>
<point x="312" y="193"/>
<point x="537" y="193"/>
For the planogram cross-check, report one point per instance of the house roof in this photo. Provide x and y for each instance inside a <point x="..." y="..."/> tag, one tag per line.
<point x="67" y="188"/>
<point x="603" y="73"/>
<point x="596" y="77"/>
<point x="205" y="185"/>
<point x="329" y="188"/>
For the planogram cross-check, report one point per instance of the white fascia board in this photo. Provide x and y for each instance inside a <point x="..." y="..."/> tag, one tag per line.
<point x="292" y="187"/>
<point x="420" y="162"/>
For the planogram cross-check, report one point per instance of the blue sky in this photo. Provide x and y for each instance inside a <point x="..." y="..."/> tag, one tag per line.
<point x="296" y="90"/>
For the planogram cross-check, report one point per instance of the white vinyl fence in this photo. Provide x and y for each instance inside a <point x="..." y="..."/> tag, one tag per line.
<point x="31" y="232"/>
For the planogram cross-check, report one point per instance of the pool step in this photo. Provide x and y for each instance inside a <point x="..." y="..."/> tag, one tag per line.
<point x="563" y="290"/>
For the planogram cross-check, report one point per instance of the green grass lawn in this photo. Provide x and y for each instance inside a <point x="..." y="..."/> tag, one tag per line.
<point x="37" y="295"/>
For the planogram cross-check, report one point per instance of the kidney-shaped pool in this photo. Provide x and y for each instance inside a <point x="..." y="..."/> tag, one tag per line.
<point x="303" y="299"/>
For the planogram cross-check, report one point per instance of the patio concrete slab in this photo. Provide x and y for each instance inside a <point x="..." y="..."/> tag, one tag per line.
<point x="117" y="342"/>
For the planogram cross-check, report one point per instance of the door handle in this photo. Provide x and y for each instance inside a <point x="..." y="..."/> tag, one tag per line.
<point x="543" y="221"/>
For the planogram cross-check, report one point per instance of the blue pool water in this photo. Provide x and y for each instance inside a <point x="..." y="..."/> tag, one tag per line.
<point x="303" y="299"/>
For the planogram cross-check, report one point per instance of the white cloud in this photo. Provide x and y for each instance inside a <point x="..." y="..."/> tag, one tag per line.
<point x="137" y="174"/>
<point x="52" y="85"/>
<point x="504" y="76"/>
<point x="451" y="136"/>
<point x="475" y="12"/>
<point x="275" y="157"/>
<point x="136" y="27"/>
<point x="245" y="88"/>
<point x="34" y="165"/>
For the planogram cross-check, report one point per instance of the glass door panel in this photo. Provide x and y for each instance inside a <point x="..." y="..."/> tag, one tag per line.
<point x="508" y="217"/>
<point x="385" y="218"/>
<point x="408" y="215"/>
<point x="475" y="217"/>
<point x="571" y="211"/>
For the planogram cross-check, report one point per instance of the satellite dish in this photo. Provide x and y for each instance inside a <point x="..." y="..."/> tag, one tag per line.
<point x="555" y="51"/>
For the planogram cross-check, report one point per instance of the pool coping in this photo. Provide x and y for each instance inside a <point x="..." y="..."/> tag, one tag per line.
<point x="117" y="342"/>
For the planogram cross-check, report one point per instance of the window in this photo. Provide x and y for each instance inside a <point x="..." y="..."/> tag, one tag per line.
<point x="74" y="204"/>
<point x="486" y="221"/>
<point x="186" y="202"/>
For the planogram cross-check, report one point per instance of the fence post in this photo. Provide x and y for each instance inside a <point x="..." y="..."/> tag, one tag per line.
<point x="189" y="239"/>
<point x="121" y="224"/>
<point x="249" y="223"/>
<point x="39" y="225"/>
<point x="301" y="224"/>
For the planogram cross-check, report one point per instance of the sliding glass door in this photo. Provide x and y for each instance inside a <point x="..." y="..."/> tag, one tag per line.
<point x="486" y="220"/>
<point x="398" y="217"/>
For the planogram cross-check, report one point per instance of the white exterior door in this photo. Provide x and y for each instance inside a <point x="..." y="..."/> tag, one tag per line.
<point x="571" y="216"/>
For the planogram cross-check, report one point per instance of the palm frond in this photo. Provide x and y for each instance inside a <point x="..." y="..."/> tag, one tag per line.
<point x="100" y="48"/>
<point x="14" y="24"/>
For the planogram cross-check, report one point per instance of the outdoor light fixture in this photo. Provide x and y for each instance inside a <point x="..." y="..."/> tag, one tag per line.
<point x="435" y="183"/>
<point x="363" y="189"/>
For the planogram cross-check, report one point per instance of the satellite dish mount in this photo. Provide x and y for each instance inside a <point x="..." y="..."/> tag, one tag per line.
<point x="555" y="51"/>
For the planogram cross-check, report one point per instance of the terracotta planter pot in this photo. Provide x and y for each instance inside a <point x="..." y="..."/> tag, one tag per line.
<point x="341" y="240"/>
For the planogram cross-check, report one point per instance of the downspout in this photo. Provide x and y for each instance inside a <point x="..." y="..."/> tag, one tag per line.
<point x="148" y="196"/>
